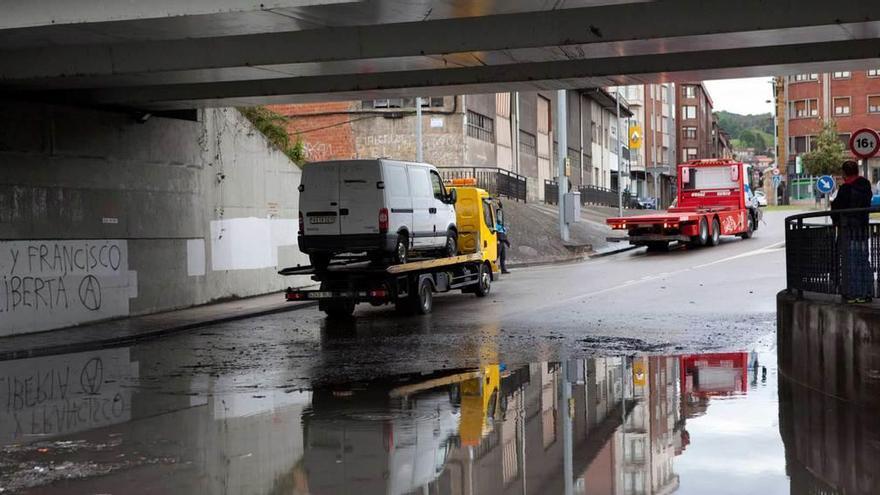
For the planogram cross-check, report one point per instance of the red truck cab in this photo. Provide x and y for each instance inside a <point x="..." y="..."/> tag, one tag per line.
<point x="711" y="202"/>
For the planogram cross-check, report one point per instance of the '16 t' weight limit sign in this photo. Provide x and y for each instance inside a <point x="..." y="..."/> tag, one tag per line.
<point x="864" y="143"/>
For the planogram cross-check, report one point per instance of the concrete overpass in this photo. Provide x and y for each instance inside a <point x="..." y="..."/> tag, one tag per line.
<point x="166" y="55"/>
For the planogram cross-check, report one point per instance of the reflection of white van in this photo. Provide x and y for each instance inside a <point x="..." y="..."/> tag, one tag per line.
<point x="384" y="208"/>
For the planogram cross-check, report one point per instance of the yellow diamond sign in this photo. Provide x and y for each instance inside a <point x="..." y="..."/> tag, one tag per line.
<point x="635" y="137"/>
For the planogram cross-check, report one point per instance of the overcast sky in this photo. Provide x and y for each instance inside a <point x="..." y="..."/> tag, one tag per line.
<point x="745" y="96"/>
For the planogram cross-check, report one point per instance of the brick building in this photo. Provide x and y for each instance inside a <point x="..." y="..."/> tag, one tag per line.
<point x="470" y="131"/>
<point x="850" y="98"/>
<point x="699" y="135"/>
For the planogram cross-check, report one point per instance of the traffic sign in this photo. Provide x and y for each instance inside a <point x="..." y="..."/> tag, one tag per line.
<point x="635" y="137"/>
<point x="825" y="184"/>
<point x="775" y="171"/>
<point x="864" y="143"/>
<point x="776" y="180"/>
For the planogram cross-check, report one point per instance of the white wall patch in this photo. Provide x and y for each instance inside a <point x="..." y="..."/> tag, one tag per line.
<point x="249" y="243"/>
<point x="195" y="257"/>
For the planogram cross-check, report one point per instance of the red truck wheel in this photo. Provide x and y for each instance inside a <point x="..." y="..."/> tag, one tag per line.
<point x="715" y="238"/>
<point x="703" y="237"/>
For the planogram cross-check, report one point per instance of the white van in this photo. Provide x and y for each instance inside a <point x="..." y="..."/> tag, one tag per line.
<point x="384" y="208"/>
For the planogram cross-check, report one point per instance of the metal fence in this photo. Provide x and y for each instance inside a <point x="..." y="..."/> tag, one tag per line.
<point x="833" y="252"/>
<point x="590" y="195"/>
<point x="497" y="181"/>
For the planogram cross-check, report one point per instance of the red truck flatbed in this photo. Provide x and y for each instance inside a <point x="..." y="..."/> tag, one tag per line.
<point x="711" y="202"/>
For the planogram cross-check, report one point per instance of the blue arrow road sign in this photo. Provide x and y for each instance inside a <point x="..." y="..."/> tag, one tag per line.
<point x="825" y="184"/>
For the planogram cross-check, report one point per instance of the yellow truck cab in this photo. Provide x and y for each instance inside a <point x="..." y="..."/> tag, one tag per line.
<point x="475" y="218"/>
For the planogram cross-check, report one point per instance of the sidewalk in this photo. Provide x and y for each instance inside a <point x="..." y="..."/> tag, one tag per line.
<point x="129" y="330"/>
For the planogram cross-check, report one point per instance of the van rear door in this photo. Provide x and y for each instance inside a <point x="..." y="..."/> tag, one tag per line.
<point x="360" y="198"/>
<point x="319" y="199"/>
<point x="397" y="195"/>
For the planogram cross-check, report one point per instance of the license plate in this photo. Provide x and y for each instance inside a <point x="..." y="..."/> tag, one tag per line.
<point x="322" y="219"/>
<point x="320" y="295"/>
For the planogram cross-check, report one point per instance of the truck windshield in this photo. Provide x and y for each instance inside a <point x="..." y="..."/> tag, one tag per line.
<point x="708" y="178"/>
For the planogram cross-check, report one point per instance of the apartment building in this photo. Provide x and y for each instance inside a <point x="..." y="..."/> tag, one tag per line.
<point x="511" y="131"/>
<point x="850" y="98"/>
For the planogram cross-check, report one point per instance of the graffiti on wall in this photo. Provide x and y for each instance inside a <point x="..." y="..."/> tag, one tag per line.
<point x="52" y="284"/>
<point x="58" y="395"/>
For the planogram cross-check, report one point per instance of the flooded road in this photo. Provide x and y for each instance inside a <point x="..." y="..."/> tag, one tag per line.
<point x="112" y="421"/>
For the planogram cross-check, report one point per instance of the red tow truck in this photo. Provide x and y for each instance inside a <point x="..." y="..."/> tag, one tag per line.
<point x="712" y="201"/>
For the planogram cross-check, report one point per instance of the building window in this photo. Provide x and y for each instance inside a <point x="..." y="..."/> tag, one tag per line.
<point x="689" y="132"/>
<point x="800" y="144"/>
<point x="480" y="127"/>
<point x="688" y="91"/>
<point x="689" y="153"/>
<point x="528" y="143"/>
<point x="841" y="105"/>
<point x="804" y="108"/>
<point x="433" y="102"/>
<point x="873" y="72"/>
<point x="806" y="77"/>
<point x="844" y="138"/>
<point x="842" y="75"/>
<point x="874" y="104"/>
<point x="689" y="112"/>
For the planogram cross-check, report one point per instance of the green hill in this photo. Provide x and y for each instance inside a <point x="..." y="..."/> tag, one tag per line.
<point x="748" y="131"/>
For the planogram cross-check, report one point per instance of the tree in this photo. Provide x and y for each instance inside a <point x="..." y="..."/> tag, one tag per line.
<point x="828" y="153"/>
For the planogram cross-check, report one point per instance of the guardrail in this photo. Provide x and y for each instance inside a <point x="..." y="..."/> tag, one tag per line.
<point x="833" y="252"/>
<point x="590" y="195"/>
<point x="497" y="181"/>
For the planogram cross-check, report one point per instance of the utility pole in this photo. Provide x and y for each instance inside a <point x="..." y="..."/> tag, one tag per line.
<point x="619" y="158"/>
<point x="562" y="139"/>
<point x="419" y="129"/>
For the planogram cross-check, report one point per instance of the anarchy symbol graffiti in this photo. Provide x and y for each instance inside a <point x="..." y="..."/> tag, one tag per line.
<point x="92" y="376"/>
<point x="90" y="293"/>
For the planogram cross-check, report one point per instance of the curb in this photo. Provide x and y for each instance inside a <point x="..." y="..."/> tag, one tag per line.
<point x="143" y="336"/>
<point x="526" y="264"/>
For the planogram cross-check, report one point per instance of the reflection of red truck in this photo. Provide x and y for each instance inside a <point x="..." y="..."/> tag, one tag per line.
<point x="711" y="202"/>
<point x="707" y="375"/>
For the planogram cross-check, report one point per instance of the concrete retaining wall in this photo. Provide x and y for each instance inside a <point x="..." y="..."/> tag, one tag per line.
<point x="103" y="216"/>
<point x="831" y="347"/>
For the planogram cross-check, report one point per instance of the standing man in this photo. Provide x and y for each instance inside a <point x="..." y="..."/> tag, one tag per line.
<point x="852" y="234"/>
<point x="503" y="243"/>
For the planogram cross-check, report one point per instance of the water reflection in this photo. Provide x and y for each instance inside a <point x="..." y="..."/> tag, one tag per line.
<point x="706" y="423"/>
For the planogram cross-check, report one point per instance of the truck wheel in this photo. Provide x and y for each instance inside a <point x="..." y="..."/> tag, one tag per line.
<point x="422" y="300"/>
<point x="401" y="250"/>
<point x="484" y="284"/>
<point x="703" y="237"/>
<point x="337" y="309"/>
<point x="715" y="238"/>
<point x="750" y="230"/>
<point x="319" y="261"/>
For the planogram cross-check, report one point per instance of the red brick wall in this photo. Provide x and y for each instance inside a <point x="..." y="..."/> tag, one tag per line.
<point x="325" y="128"/>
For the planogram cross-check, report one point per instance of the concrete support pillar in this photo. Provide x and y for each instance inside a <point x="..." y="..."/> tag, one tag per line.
<point x="562" y="138"/>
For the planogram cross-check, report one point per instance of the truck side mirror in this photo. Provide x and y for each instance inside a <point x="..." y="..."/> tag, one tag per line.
<point x="452" y="197"/>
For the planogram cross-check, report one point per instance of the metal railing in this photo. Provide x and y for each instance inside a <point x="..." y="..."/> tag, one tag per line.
<point x="833" y="252"/>
<point x="497" y="181"/>
<point x="590" y="195"/>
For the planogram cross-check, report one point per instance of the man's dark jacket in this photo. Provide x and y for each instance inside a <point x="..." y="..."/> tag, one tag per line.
<point x="853" y="194"/>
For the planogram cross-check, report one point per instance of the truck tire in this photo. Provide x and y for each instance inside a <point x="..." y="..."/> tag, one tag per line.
<point x="484" y="281"/>
<point x="715" y="237"/>
<point x="702" y="238"/>
<point x="337" y="309"/>
<point x="750" y="230"/>
<point x="421" y="301"/>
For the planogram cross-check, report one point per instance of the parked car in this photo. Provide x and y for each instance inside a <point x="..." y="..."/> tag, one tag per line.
<point x="383" y="208"/>
<point x="875" y="200"/>
<point x="646" y="203"/>
<point x="760" y="198"/>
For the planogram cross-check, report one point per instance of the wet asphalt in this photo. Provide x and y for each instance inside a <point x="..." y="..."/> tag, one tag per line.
<point x="111" y="418"/>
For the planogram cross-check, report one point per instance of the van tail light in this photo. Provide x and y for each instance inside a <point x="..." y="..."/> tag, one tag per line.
<point x="302" y="224"/>
<point x="383" y="220"/>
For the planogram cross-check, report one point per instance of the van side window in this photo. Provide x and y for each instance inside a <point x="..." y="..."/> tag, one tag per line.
<point x="419" y="183"/>
<point x="487" y="215"/>
<point x="437" y="184"/>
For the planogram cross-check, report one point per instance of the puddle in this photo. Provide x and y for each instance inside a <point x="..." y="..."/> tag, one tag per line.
<point x="690" y="424"/>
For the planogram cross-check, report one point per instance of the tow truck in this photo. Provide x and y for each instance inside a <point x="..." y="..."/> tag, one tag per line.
<point x="410" y="286"/>
<point x="711" y="202"/>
